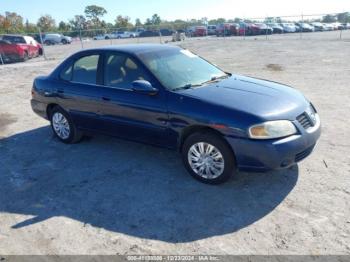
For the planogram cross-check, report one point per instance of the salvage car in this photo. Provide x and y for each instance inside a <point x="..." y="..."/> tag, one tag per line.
<point x="276" y="28"/>
<point x="124" y="34"/>
<point x="304" y="27"/>
<point x="197" y="31"/>
<point x="211" y="29"/>
<point x="227" y="29"/>
<point x="248" y="29"/>
<point x="328" y="27"/>
<point x="18" y="48"/>
<point x="264" y="29"/>
<point x="289" y="27"/>
<point x="319" y="27"/>
<point x="170" y="97"/>
<point x="149" y="33"/>
<point x="54" y="39"/>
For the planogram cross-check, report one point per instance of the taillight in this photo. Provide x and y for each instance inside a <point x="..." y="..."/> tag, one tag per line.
<point x="33" y="88"/>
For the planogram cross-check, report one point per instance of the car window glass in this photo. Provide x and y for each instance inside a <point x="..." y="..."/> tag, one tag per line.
<point x="14" y="39"/>
<point x="66" y="73"/>
<point x="121" y="70"/>
<point x="85" y="69"/>
<point x="178" y="68"/>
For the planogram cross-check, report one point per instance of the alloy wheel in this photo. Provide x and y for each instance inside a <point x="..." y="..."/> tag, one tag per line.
<point x="60" y="125"/>
<point x="206" y="160"/>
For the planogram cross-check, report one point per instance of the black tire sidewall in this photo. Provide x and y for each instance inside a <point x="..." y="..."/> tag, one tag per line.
<point x="73" y="131"/>
<point x="25" y="56"/>
<point x="221" y="145"/>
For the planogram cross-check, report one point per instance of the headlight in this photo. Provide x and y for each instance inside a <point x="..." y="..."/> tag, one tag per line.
<point x="272" y="129"/>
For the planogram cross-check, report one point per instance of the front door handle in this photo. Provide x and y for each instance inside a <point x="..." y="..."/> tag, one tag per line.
<point x="48" y="94"/>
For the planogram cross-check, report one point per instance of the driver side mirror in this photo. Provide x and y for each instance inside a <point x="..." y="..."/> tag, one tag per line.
<point x="144" y="87"/>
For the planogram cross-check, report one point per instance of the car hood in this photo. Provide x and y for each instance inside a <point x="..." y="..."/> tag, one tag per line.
<point x="264" y="99"/>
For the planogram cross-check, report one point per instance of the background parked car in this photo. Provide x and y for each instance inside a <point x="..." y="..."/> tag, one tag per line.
<point x="248" y="29"/>
<point x="338" y="26"/>
<point x="276" y="28"/>
<point x="297" y="27"/>
<point x="124" y="34"/>
<point x="100" y="37"/>
<point x="288" y="27"/>
<point x="304" y="27"/>
<point x="14" y="48"/>
<point x="264" y="29"/>
<point x="227" y="29"/>
<point x="319" y="27"/>
<point x="211" y="29"/>
<point x="149" y="33"/>
<point x="166" y="32"/>
<point x="53" y="39"/>
<point x="197" y="31"/>
<point x="328" y="27"/>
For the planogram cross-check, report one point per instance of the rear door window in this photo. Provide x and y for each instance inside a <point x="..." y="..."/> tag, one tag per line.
<point x="85" y="70"/>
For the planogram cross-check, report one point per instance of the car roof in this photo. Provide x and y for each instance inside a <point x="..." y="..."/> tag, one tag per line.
<point x="12" y="35"/>
<point x="136" y="48"/>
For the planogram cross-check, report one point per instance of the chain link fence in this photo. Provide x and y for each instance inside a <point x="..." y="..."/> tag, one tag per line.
<point x="303" y="27"/>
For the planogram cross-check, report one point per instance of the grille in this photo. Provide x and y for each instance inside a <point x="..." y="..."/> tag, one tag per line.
<point x="300" y="156"/>
<point x="305" y="120"/>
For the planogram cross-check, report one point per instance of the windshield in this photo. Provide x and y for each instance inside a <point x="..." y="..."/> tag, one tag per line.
<point x="180" y="69"/>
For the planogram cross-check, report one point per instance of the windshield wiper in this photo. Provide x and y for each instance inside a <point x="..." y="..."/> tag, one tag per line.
<point x="187" y="86"/>
<point x="216" y="78"/>
<point x="213" y="79"/>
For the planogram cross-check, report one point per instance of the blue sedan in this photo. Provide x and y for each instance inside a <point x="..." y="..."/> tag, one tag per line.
<point x="167" y="96"/>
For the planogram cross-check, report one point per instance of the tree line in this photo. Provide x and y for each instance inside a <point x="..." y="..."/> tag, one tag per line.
<point x="92" y="20"/>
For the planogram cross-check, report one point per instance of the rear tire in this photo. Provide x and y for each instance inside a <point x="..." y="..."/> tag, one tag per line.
<point x="215" y="163"/>
<point x="25" y="57"/>
<point x="63" y="127"/>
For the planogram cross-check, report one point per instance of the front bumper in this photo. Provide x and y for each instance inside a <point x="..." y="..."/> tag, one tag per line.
<point x="11" y="57"/>
<point x="263" y="155"/>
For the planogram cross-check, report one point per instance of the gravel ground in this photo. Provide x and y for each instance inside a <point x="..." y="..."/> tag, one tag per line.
<point x="108" y="196"/>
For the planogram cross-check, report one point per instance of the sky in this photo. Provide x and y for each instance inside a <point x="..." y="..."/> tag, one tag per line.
<point x="173" y="9"/>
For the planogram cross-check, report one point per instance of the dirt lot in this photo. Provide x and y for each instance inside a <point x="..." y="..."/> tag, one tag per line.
<point x="107" y="196"/>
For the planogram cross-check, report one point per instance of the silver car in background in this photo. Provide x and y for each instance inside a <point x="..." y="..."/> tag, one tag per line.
<point x="289" y="27"/>
<point x="54" y="39"/>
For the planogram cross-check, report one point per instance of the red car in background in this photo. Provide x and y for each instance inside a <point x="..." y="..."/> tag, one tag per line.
<point x="15" y="48"/>
<point x="196" y="31"/>
<point x="248" y="29"/>
<point x="227" y="29"/>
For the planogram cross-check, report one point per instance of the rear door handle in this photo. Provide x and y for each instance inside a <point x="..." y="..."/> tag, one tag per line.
<point x="106" y="98"/>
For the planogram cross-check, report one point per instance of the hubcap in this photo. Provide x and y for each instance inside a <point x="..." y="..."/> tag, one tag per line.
<point x="206" y="160"/>
<point x="60" y="125"/>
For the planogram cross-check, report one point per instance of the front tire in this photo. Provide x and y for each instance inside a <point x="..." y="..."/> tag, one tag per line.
<point x="63" y="126"/>
<point x="208" y="158"/>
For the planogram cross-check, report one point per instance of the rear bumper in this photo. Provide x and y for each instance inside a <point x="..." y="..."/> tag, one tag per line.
<point x="39" y="108"/>
<point x="264" y="155"/>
